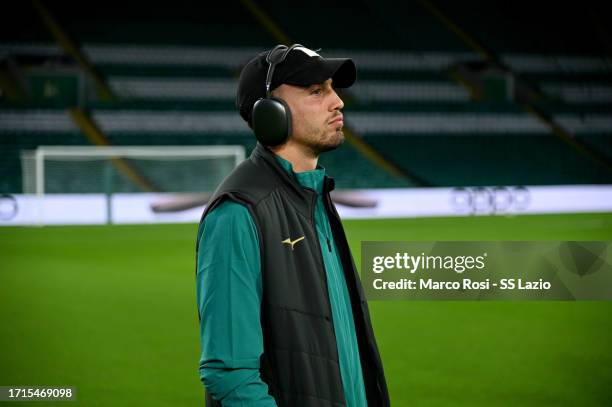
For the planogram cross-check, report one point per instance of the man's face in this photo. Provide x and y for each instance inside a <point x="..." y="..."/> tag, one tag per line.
<point x="316" y="118"/>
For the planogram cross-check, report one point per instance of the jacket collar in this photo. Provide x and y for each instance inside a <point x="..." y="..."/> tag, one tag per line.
<point x="269" y="157"/>
<point x="303" y="198"/>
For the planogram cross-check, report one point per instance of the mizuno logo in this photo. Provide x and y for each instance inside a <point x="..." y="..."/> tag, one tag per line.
<point x="292" y="243"/>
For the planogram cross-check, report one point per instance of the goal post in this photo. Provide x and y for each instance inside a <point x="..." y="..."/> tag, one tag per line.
<point x="126" y="169"/>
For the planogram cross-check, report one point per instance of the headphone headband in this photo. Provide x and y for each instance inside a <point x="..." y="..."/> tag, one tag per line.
<point x="272" y="59"/>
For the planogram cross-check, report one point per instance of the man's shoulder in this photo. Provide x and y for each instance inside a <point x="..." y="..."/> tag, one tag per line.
<point x="229" y="209"/>
<point x="249" y="181"/>
<point x="226" y="218"/>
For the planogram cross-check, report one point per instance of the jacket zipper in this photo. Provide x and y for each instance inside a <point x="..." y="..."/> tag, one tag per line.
<point x="320" y="258"/>
<point x="314" y="221"/>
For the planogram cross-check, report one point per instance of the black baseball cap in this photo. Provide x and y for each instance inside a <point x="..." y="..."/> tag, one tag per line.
<point x="301" y="67"/>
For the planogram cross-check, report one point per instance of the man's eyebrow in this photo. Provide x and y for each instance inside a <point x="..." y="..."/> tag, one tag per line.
<point x="313" y="86"/>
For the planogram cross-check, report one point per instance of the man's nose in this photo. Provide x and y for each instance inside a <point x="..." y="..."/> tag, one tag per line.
<point x="337" y="103"/>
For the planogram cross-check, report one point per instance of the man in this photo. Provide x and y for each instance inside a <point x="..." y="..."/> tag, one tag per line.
<point x="284" y="321"/>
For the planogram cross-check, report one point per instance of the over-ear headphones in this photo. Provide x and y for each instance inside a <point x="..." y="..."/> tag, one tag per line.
<point x="271" y="117"/>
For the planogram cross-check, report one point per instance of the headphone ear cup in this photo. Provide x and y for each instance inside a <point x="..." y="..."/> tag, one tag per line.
<point x="288" y="120"/>
<point x="271" y="121"/>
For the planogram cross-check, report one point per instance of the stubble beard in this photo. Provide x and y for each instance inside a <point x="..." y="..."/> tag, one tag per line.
<point x="323" y="142"/>
<point x="318" y="140"/>
<point x="334" y="141"/>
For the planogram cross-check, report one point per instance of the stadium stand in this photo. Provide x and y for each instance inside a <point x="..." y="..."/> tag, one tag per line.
<point x="425" y="101"/>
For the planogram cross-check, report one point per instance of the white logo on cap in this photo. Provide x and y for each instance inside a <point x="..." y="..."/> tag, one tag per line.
<point x="308" y="52"/>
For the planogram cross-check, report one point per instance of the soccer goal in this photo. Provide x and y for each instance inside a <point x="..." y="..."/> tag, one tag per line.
<point x="86" y="170"/>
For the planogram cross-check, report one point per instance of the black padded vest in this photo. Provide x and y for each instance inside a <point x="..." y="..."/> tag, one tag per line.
<point x="300" y="358"/>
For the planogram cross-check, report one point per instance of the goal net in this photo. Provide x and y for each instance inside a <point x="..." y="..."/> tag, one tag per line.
<point x="181" y="170"/>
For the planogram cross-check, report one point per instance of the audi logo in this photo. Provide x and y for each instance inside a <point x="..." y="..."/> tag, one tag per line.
<point x="490" y="200"/>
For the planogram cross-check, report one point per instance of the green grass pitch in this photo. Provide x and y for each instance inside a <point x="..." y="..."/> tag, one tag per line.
<point x="111" y="311"/>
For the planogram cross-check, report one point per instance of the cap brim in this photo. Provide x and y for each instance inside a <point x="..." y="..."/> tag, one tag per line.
<point x="342" y="71"/>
